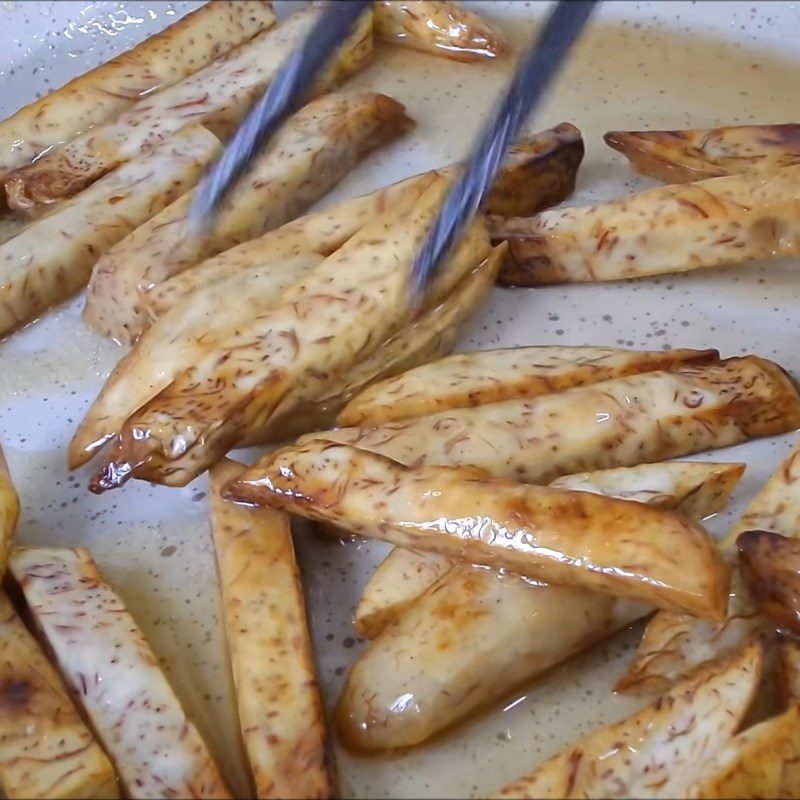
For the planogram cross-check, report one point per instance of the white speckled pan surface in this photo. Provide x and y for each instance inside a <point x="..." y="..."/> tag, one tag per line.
<point x="661" y="65"/>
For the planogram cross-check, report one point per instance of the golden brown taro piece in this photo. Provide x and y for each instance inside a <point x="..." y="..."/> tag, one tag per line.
<point x="53" y="257"/>
<point x="696" y="488"/>
<point x="471" y="379"/>
<point x="343" y="311"/>
<point x="763" y="761"/>
<point x="110" y="667"/>
<point x="312" y="152"/>
<point x="177" y="340"/>
<point x="770" y="565"/>
<point x="106" y="91"/>
<point x="271" y="657"/>
<point x="616" y="423"/>
<point x="237" y="286"/>
<point x="732" y="392"/>
<point x="9" y="512"/>
<point x="439" y="27"/>
<point x="217" y="95"/>
<point x="674" y="644"/>
<point x="478" y="635"/>
<point x="46" y="751"/>
<point x="682" y="156"/>
<point x="553" y="535"/>
<point x="490" y="376"/>
<point x="538" y="172"/>
<point x="658" y="751"/>
<point x="716" y="222"/>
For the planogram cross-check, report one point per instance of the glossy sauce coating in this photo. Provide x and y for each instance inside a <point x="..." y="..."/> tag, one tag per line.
<point x="477" y="635"/>
<point x="698" y="489"/>
<point x="440" y="27"/>
<point x="770" y="567"/>
<point x="559" y="536"/>
<point x="673" y="644"/>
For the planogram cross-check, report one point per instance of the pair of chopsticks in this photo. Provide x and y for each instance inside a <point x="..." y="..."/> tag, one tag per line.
<point x="293" y="83"/>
